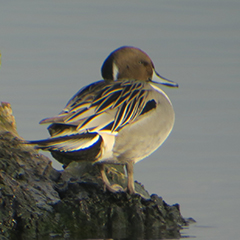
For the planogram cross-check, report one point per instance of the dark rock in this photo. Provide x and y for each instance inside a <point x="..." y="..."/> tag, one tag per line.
<point x="37" y="201"/>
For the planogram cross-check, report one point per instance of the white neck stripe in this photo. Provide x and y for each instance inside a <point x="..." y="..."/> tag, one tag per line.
<point x="115" y="72"/>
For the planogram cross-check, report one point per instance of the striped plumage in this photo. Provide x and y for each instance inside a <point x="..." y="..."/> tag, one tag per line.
<point x="120" y="120"/>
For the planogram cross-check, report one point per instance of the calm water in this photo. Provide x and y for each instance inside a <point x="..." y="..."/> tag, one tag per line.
<point x="50" y="49"/>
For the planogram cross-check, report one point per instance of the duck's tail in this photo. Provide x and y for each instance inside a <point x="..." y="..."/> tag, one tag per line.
<point x="75" y="147"/>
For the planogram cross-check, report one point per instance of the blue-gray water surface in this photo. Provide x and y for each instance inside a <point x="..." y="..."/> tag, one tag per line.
<point x="50" y="49"/>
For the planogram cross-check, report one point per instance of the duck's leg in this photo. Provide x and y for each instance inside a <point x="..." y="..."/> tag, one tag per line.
<point x="107" y="186"/>
<point x="130" y="185"/>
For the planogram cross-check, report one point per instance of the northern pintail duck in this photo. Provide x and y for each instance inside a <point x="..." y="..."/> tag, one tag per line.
<point x="119" y="120"/>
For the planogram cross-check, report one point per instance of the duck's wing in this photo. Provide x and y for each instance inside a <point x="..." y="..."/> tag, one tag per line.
<point x="74" y="147"/>
<point x="106" y="110"/>
<point x="75" y="142"/>
<point x="113" y="106"/>
<point x="103" y="106"/>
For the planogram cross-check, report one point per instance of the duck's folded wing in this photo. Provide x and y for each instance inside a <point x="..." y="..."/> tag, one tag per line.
<point x="68" y="143"/>
<point x="116" y="104"/>
<point x="82" y="146"/>
<point x="104" y="104"/>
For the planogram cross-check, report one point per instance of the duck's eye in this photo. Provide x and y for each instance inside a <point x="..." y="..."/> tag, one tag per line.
<point x="144" y="63"/>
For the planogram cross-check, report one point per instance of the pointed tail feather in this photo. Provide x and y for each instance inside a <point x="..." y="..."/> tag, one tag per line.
<point x="77" y="147"/>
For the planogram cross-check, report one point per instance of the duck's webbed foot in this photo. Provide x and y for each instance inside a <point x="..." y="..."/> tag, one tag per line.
<point x="113" y="188"/>
<point x="107" y="186"/>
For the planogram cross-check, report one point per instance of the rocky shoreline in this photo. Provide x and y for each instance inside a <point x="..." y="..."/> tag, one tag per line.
<point x="37" y="201"/>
